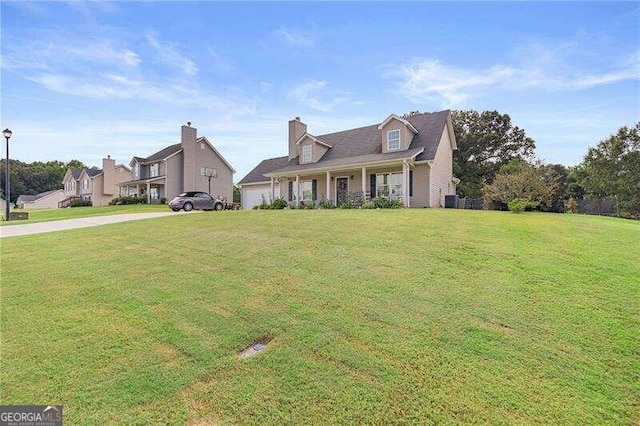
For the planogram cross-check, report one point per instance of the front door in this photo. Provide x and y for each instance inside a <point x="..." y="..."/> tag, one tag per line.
<point x="342" y="188"/>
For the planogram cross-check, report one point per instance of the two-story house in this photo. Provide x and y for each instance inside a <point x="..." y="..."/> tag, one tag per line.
<point x="407" y="158"/>
<point x="194" y="164"/>
<point x="93" y="184"/>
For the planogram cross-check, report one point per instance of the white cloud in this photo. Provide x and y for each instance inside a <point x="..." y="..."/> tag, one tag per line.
<point x="169" y="54"/>
<point x="55" y="50"/>
<point x="311" y="93"/>
<point x="295" y="38"/>
<point x="424" y="80"/>
<point x="265" y="87"/>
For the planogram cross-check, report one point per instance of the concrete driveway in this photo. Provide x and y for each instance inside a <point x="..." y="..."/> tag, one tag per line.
<point x="83" y="222"/>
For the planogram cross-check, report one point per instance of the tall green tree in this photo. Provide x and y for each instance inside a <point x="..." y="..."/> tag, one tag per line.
<point x="612" y="168"/>
<point x="34" y="178"/>
<point x="486" y="141"/>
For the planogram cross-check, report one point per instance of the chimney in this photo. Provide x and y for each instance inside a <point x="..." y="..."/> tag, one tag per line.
<point x="296" y="129"/>
<point x="188" y="144"/>
<point x="108" y="176"/>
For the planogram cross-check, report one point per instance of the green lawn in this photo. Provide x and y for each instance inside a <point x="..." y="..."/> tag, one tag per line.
<point x="47" y="215"/>
<point x="433" y="316"/>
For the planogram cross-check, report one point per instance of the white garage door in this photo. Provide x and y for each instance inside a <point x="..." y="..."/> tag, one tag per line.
<point x="252" y="195"/>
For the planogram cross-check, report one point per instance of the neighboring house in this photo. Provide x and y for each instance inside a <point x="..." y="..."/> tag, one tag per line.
<point x="93" y="184"/>
<point x="191" y="165"/>
<point x="44" y="200"/>
<point x="71" y="182"/>
<point x="406" y="158"/>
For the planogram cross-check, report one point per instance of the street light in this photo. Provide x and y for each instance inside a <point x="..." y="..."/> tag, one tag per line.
<point x="7" y="195"/>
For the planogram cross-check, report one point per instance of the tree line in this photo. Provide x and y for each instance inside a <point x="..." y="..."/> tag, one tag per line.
<point x="34" y="178"/>
<point x="496" y="161"/>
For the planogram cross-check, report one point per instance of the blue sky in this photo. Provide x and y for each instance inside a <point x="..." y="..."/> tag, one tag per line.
<point x="86" y="79"/>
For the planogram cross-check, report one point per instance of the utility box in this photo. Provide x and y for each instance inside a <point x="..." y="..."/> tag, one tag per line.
<point x="450" y="201"/>
<point x="19" y="216"/>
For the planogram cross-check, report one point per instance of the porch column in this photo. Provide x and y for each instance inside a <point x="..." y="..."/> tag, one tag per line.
<point x="272" y="190"/>
<point x="137" y="190"/>
<point x="148" y="193"/>
<point x="405" y="183"/>
<point x="297" y="190"/>
<point x="328" y="186"/>
<point x="364" y="184"/>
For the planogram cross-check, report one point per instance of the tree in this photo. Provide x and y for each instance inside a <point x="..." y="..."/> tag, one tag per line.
<point x="236" y="194"/>
<point x="76" y="164"/>
<point x="486" y="141"/>
<point x="532" y="185"/>
<point x="34" y="178"/>
<point x="612" y="168"/>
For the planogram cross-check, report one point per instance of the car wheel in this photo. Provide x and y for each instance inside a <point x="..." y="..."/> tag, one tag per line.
<point x="187" y="207"/>
<point x="219" y="206"/>
<point x="174" y="209"/>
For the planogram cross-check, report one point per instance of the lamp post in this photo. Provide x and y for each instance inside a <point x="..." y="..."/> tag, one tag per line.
<point x="7" y="195"/>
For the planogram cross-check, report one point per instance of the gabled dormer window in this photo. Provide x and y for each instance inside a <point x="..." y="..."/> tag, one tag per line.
<point x="306" y="154"/>
<point x="393" y="140"/>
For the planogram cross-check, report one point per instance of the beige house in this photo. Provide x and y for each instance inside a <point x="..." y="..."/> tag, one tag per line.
<point x="194" y="164"/>
<point x="407" y="158"/>
<point x="44" y="200"/>
<point x="93" y="184"/>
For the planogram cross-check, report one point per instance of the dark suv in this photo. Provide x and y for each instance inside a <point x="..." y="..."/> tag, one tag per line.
<point x="188" y="201"/>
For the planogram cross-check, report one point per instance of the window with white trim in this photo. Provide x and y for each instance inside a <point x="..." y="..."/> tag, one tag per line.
<point x="85" y="184"/>
<point x="306" y="154"/>
<point x="389" y="185"/>
<point x="393" y="140"/>
<point x="136" y="171"/>
<point x="306" y="188"/>
<point x="154" y="170"/>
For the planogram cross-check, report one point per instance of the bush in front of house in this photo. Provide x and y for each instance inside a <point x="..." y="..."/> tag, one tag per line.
<point x="277" y="204"/>
<point x="383" y="203"/>
<point x="80" y="203"/>
<point x="130" y="199"/>
<point x="325" y="203"/>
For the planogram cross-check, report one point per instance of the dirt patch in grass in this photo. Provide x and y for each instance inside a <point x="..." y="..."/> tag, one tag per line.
<point x="255" y="347"/>
<point x="492" y="325"/>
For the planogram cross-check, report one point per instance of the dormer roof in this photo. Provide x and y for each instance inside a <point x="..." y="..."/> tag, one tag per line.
<point x="314" y="138"/>
<point x="400" y="119"/>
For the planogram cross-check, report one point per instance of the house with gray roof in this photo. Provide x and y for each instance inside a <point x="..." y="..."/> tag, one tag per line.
<point x="194" y="164"/>
<point x="93" y="184"/>
<point x="408" y="158"/>
<point x="43" y="200"/>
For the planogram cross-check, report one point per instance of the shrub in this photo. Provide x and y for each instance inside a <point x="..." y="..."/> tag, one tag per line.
<point x="383" y="203"/>
<point x="518" y="205"/>
<point x="163" y="200"/>
<point x="278" y="204"/>
<point x="124" y="200"/>
<point x="350" y="202"/>
<point x="326" y="203"/>
<point x="80" y="203"/>
<point x="571" y="205"/>
<point x="307" y="205"/>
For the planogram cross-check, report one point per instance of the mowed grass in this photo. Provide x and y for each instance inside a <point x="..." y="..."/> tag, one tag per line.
<point x="433" y="316"/>
<point x="47" y="215"/>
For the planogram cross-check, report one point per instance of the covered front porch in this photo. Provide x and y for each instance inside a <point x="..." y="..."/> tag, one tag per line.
<point x="351" y="185"/>
<point x="152" y="189"/>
